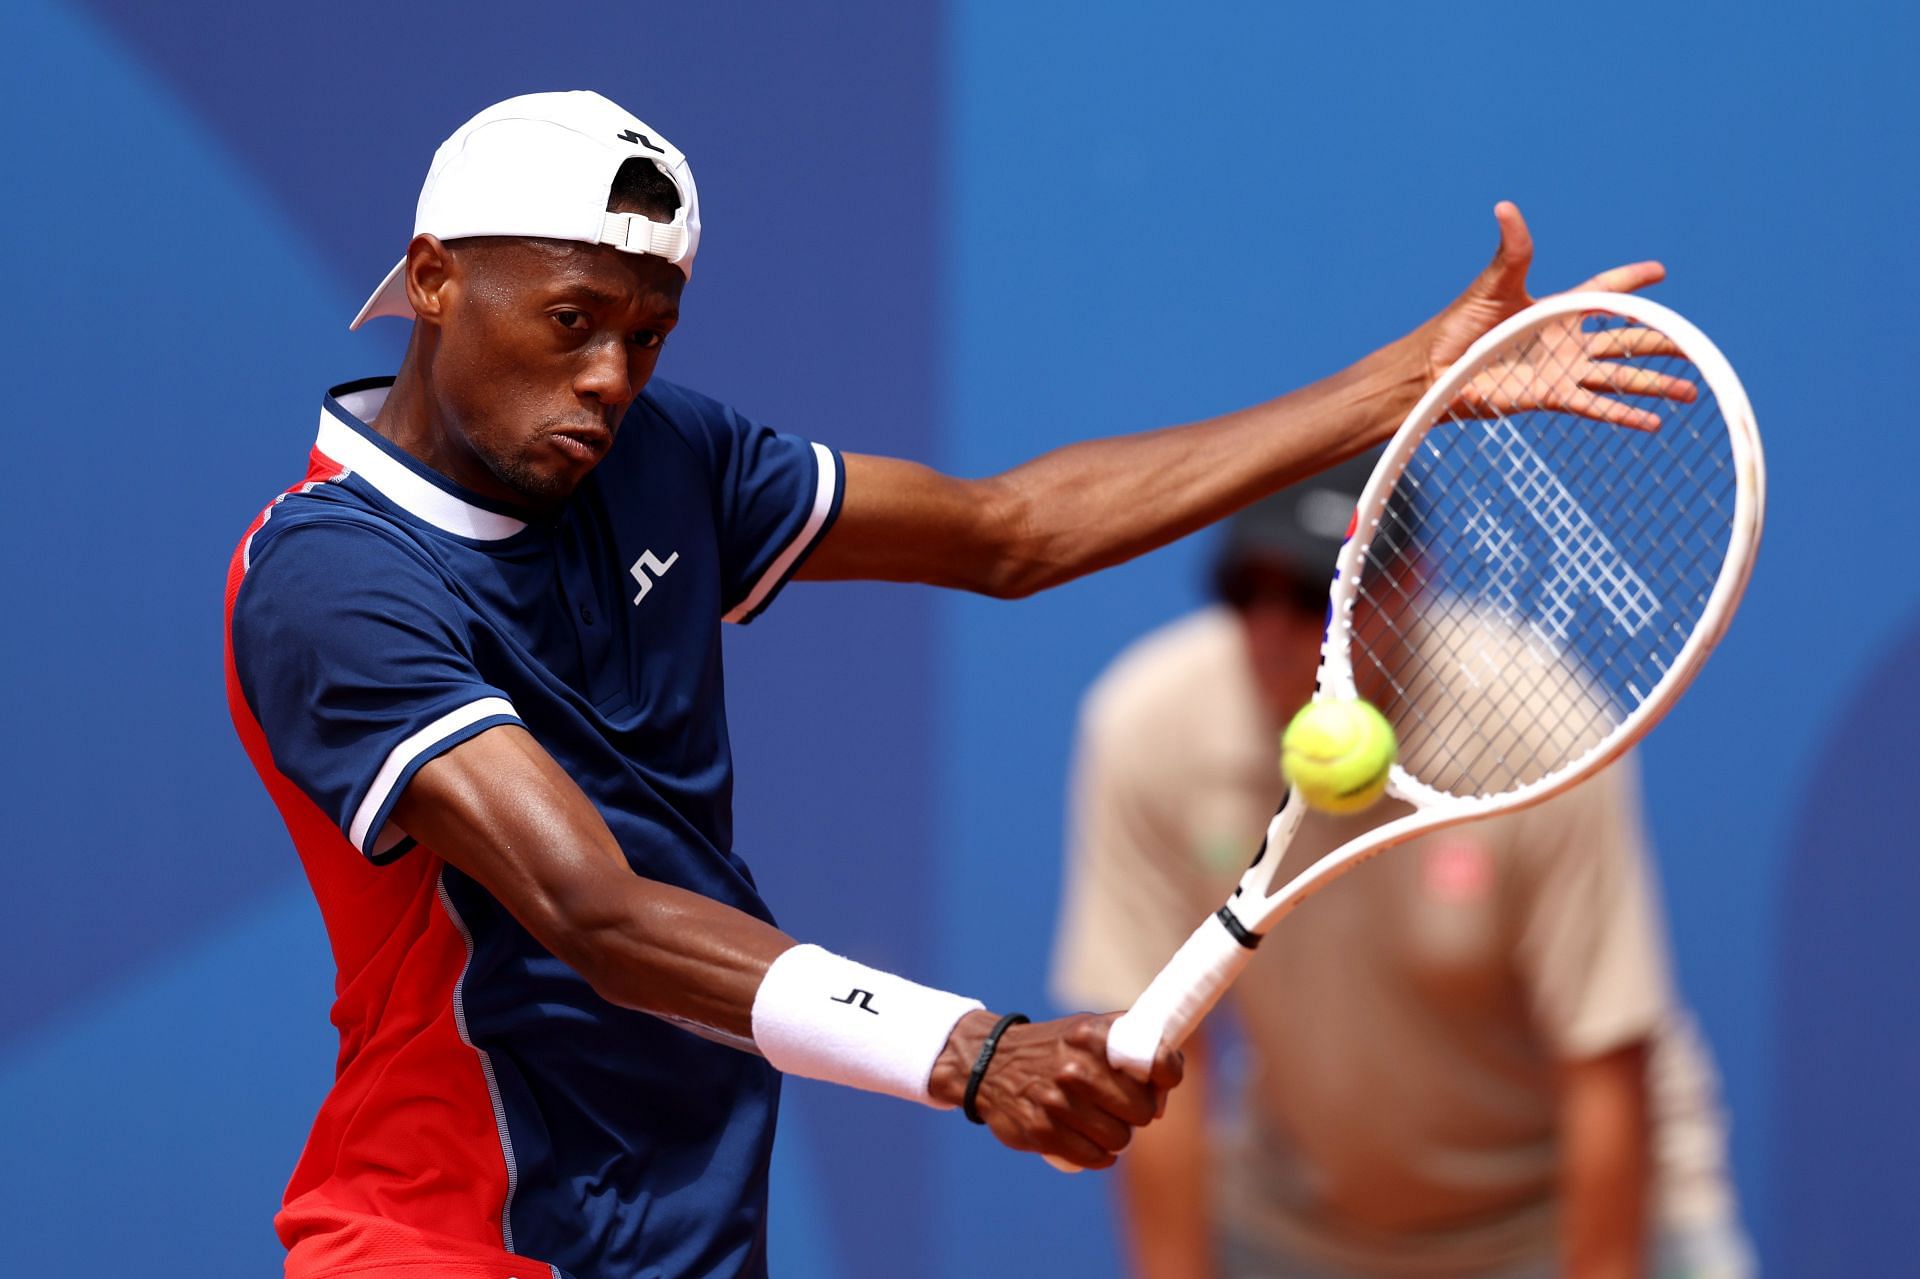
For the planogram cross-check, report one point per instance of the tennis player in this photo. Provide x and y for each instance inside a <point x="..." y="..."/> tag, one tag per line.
<point x="475" y="657"/>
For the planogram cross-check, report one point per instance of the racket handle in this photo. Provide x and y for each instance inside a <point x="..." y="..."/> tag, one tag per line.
<point x="1183" y="993"/>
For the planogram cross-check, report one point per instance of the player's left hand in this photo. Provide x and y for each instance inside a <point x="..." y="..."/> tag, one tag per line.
<point x="1501" y="291"/>
<point x="1572" y="369"/>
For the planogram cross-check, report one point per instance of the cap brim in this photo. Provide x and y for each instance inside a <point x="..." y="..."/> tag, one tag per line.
<point x="389" y="299"/>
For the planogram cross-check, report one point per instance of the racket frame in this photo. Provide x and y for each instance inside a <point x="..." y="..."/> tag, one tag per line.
<point x="1335" y="679"/>
<point x="1194" y="979"/>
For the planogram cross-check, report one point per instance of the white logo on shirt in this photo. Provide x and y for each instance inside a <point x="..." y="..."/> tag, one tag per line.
<point x="646" y="564"/>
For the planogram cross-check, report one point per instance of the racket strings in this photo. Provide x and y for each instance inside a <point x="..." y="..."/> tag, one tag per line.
<point x="1536" y="573"/>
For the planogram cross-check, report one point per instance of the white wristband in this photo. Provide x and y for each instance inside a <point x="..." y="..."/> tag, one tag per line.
<point x="825" y="1017"/>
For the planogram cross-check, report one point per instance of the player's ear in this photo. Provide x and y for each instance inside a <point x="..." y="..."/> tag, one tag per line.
<point x="432" y="274"/>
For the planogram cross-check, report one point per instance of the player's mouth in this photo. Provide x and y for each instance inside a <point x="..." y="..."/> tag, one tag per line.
<point x="583" y="443"/>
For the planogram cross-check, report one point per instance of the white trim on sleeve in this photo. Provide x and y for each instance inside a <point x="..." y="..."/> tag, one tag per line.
<point x="824" y="492"/>
<point x="401" y="758"/>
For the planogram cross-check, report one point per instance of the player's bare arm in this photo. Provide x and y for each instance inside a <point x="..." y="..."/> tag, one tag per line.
<point x="1095" y="504"/>
<point x="501" y="810"/>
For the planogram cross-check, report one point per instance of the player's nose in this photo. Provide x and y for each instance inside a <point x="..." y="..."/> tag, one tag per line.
<point x="607" y="375"/>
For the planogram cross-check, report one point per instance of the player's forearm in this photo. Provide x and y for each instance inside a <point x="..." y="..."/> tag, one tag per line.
<point x="662" y="950"/>
<point x="1605" y="1165"/>
<point x="1091" y="505"/>
<point x="498" y="808"/>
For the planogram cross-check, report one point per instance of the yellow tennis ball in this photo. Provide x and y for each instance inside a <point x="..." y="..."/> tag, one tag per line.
<point x="1337" y="754"/>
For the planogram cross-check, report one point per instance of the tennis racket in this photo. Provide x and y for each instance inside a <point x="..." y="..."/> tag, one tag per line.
<point x="1529" y="584"/>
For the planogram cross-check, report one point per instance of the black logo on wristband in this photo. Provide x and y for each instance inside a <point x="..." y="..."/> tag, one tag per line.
<point x="861" y="999"/>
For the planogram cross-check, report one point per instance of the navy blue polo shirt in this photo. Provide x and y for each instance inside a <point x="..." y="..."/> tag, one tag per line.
<point x="489" y="1105"/>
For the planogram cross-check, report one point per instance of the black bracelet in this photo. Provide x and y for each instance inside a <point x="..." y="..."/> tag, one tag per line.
<point x="987" y="1046"/>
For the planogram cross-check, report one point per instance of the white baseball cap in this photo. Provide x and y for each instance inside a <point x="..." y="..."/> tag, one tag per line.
<point x="542" y="165"/>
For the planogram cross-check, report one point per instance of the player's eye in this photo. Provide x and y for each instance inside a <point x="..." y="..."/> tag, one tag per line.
<point x="574" y="320"/>
<point x="649" y="339"/>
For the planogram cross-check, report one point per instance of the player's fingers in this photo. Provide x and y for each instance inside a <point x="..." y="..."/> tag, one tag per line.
<point x="1630" y="278"/>
<point x="1516" y="242"/>
<point x="1114" y="1092"/>
<point x="1605" y="375"/>
<point x="1506" y="276"/>
<point x="1069" y="1145"/>
<point x="1091" y="1035"/>
<point x="1056" y="1124"/>
<point x="1090" y="1076"/>
<point x="1169" y="1068"/>
<point x="1614" y="343"/>
<point x="1098" y="1125"/>
<point x="1602" y="409"/>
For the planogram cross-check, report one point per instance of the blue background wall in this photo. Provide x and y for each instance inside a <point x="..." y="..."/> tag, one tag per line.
<point x="1040" y="227"/>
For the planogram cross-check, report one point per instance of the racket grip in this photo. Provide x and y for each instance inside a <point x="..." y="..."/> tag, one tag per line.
<point x="1183" y="993"/>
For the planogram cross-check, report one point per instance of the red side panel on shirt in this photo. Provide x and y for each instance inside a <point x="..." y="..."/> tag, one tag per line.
<point x="403" y="1172"/>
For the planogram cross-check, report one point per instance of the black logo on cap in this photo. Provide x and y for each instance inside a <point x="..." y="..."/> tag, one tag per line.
<point x="634" y="135"/>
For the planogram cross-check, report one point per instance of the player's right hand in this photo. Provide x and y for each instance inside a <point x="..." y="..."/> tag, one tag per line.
<point x="1050" y="1089"/>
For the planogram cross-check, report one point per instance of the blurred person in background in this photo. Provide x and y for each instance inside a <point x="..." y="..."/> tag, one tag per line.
<point x="1466" y="1059"/>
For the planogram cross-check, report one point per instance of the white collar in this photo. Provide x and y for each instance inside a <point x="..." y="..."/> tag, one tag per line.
<point x="346" y="438"/>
